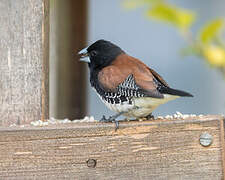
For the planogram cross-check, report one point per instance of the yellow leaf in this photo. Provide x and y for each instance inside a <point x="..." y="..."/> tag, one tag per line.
<point x="179" y="17"/>
<point x="215" y="55"/>
<point x="133" y="4"/>
<point x="185" y="19"/>
<point x="211" y="30"/>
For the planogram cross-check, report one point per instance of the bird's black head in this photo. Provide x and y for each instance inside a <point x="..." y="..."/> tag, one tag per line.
<point x="100" y="54"/>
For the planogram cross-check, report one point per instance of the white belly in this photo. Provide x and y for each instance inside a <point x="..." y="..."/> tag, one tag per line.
<point x="140" y="107"/>
<point x="124" y="107"/>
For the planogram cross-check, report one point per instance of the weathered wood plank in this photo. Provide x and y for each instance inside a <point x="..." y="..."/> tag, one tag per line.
<point x="23" y="61"/>
<point x="160" y="149"/>
<point x="222" y="139"/>
<point x="45" y="60"/>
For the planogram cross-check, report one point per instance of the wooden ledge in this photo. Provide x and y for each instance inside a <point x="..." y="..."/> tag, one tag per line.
<point x="158" y="149"/>
<point x="123" y="124"/>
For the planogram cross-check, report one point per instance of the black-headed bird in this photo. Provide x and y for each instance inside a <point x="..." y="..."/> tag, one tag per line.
<point x="124" y="83"/>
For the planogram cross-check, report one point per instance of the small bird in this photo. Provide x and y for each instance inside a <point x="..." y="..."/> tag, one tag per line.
<point x="125" y="84"/>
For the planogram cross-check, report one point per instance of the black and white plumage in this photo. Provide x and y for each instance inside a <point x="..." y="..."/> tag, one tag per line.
<point x="125" y="84"/>
<point x="124" y="92"/>
<point x="122" y="100"/>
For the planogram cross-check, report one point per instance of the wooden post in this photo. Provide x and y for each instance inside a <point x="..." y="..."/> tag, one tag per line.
<point x="24" y="54"/>
<point x="68" y="21"/>
<point x="159" y="149"/>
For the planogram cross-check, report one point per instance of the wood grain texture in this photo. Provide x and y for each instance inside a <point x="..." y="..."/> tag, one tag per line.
<point x="45" y="60"/>
<point x="159" y="149"/>
<point x="222" y="139"/>
<point x="22" y="50"/>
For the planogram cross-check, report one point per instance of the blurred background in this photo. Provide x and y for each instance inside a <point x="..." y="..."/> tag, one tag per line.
<point x="179" y="39"/>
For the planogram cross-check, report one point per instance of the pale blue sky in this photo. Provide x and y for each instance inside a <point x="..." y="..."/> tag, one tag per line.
<point x="158" y="46"/>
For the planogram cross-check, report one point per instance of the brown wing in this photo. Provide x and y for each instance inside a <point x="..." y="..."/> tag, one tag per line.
<point x="158" y="77"/>
<point x="111" y="76"/>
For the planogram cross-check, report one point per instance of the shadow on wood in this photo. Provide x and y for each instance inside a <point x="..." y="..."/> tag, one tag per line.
<point x="68" y="27"/>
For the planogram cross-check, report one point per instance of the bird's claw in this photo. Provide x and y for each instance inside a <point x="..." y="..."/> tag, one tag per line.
<point x="150" y="116"/>
<point x="104" y="119"/>
<point x="110" y="119"/>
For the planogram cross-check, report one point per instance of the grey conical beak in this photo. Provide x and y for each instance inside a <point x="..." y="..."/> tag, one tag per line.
<point x="84" y="55"/>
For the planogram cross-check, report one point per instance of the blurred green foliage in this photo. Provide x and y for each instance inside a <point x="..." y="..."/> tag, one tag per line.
<point x="207" y="43"/>
<point x="178" y="17"/>
<point x="211" y="31"/>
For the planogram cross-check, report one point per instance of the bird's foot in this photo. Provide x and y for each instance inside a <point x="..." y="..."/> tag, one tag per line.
<point x="106" y="120"/>
<point x="110" y="119"/>
<point x="150" y="116"/>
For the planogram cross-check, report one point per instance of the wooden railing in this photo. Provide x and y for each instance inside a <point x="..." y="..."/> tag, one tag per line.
<point x="191" y="148"/>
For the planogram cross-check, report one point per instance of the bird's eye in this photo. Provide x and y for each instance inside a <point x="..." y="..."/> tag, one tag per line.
<point x="93" y="53"/>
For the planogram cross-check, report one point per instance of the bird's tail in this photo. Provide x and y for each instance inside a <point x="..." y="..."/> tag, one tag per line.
<point x="175" y="92"/>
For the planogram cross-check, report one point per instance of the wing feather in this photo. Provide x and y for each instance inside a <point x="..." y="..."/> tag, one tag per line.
<point x="128" y="73"/>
